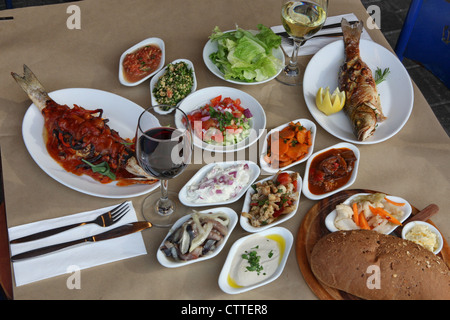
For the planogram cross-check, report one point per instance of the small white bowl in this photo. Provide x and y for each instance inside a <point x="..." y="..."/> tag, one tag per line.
<point x="352" y="179"/>
<point x="157" y="76"/>
<point x="309" y="125"/>
<point x="171" y="263"/>
<point x="254" y="173"/>
<point x="156" y="41"/>
<point x="245" y="223"/>
<point x="223" y="277"/>
<point x="407" y="209"/>
<point x="432" y="228"/>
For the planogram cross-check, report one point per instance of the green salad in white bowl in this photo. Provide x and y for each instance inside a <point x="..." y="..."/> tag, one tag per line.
<point x="244" y="56"/>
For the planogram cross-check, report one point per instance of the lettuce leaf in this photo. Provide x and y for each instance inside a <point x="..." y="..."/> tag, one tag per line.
<point x="243" y="56"/>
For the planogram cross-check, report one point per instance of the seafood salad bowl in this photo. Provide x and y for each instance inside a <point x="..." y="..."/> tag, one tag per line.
<point x="196" y="237"/>
<point x="251" y="219"/>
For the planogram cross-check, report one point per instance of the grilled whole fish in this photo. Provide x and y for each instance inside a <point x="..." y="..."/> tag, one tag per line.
<point x="362" y="104"/>
<point x="80" y="140"/>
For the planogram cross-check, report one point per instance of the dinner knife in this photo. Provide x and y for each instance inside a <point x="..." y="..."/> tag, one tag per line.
<point x="327" y="26"/>
<point x="113" y="233"/>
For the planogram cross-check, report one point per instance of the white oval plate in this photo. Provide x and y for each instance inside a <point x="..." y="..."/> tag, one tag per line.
<point x="157" y="41"/>
<point x="223" y="277"/>
<point x="156" y="77"/>
<point x="170" y="263"/>
<point x="254" y="173"/>
<point x="329" y="220"/>
<point x="211" y="46"/>
<point x="309" y="125"/>
<point x="201" y="97"/>
<point x="411" y="224"/>
<point x="352" y="179"/>
<point x="245" y="224"/>
<point x="113" y="109"/>
<point x="396" y="92"/>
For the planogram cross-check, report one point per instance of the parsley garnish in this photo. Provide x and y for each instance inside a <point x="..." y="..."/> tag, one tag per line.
<point x="223" y="119"/>
<point x="297" y="125"/>
<point x="126" y="143"/>
<point x="253" y="261"/>
<point x="380" y="76"/>
<point x="102" y="168"/>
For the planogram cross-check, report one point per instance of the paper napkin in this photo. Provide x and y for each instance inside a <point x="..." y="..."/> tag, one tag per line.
<point x="78" y="257"/>
<point x="315" y="44"/>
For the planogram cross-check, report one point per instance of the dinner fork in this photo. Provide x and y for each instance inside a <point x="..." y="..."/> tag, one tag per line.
<point x="104" y="220"/>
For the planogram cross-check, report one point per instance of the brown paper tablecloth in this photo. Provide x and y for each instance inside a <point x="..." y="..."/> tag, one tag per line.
<point x="413" y="164"/>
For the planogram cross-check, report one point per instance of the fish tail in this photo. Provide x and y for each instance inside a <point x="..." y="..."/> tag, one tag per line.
<point x="352" y="35"/>
<point x="33" y="88"/>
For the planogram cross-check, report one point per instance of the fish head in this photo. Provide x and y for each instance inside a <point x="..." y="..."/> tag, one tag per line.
<point x="364" y="123"/>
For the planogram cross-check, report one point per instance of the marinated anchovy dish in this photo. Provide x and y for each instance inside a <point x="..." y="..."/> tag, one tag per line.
<point x="273" y="198"/>
<point x="198" y="236"/>
<point x="174" y="85"/>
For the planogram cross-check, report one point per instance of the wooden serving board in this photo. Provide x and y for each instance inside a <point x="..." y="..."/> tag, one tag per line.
<point x="313" y="228"/>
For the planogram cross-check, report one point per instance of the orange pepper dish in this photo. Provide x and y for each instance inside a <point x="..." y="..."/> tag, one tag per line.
<point x="289" y="145"/>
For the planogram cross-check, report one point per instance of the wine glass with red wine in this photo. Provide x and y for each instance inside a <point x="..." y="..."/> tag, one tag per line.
<point x="163" y="150"/>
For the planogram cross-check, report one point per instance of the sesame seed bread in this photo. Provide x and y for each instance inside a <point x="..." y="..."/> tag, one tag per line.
<point x="371" y="265"/>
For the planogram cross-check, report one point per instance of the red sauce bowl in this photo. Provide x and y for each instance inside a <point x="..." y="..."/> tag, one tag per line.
<point x="309" y="192"/>
<point x="157" y="42"/>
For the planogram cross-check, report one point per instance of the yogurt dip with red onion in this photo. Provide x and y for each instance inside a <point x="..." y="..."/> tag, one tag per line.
<point x="219" y="184"/>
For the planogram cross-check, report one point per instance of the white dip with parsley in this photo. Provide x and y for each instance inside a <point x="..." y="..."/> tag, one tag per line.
<point x="219" y="184"/>
<point x="256" y="260"/>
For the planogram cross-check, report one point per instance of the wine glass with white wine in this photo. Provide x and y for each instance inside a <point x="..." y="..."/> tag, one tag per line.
<point x="301" y="20"/>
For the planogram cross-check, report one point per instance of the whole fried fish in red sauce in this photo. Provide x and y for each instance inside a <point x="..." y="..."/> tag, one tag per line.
<point x="81" y="141"/>
<point x="362" y="104"/>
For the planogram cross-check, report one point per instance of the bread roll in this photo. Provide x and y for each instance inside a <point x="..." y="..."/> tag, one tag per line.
<point x="371" y="265"/>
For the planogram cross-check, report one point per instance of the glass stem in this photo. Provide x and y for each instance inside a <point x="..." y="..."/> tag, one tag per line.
<point x="164" y="201"/>
<point x="293" y="60"/>
<point x="164" y="188"/>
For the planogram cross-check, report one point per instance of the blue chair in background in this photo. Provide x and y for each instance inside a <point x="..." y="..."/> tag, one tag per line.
<point x="425" y="37"/>
<point x="8" y="4"/>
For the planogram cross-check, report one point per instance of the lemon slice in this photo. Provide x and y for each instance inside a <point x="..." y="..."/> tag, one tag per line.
<point x="330" y="104"/>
